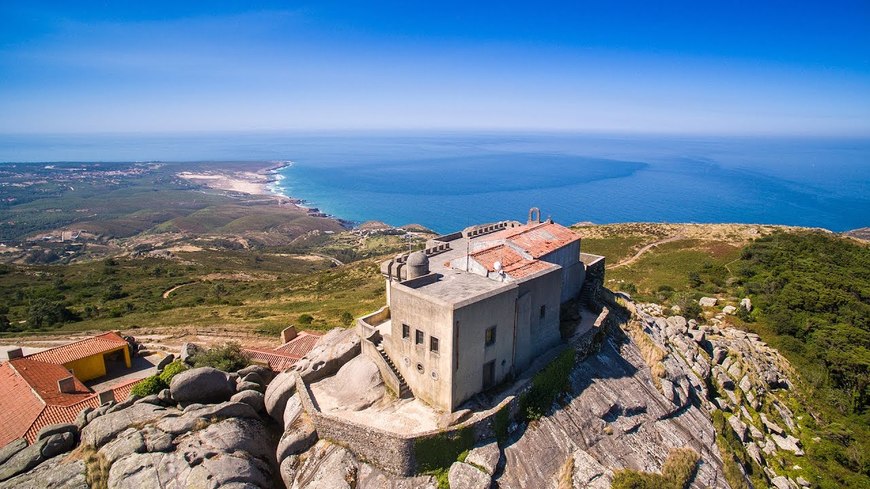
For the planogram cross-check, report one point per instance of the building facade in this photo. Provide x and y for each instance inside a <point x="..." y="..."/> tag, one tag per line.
<point x="473" y="309"/>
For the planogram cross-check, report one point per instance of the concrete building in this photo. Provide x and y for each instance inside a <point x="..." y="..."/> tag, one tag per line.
<point x="474" y="308"/>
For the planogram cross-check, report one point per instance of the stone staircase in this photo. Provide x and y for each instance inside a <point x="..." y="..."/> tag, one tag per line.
<point x="404" y="390"/>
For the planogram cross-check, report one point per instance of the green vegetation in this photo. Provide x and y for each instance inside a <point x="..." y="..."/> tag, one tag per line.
<point x="811" y="302"/>
<point x="436" y="454"/>
<point x="613" y="248"/>
<point x="695" y="266"/>
<point x="546" y="385"/>
<point x="734" y="455"/>
<point x="677" y="473"/>
<point x="158" y="382"/>
<point x="172" y="370"/>
<point x="228" y="357"/>
<point x="148" y="385"/>
<point x="234" y="289"/>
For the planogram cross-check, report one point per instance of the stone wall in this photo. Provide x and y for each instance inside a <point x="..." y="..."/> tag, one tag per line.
<point x="389" y="451"/>
<point x="594" y="281"/>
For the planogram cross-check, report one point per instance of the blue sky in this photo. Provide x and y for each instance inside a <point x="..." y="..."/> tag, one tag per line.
<point x="652" y="67"/>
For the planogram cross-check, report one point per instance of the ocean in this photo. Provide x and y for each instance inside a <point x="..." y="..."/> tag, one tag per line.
<point x="447" y="181"/>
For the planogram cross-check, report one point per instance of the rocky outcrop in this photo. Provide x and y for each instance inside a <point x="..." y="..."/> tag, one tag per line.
<point x="615" y="416"/>
<point x="486" y="457"/>
<point x="751" y="379"/>
<point x="33" y="455"/>
<point x="202" y="385"/>
<point x="56" y="473"/>
<point x="331" y="351"/>
<point x="154" y="443"/>
<point x="229" y="451"/>
<point x="468" y="476"/>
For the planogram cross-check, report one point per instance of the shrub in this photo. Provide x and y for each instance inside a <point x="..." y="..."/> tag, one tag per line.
<point x="677" y="473"/>
<point x="229" y="357"/>
<point x="346" y="318"/>
<point x="306" y="319"/>
<point x="172" y="370"/>
<point x="546" y="385"/>
<point x="148" y="386"/>
<point x="437" y="453"/>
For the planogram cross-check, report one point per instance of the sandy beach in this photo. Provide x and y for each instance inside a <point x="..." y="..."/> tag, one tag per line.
<point x="247" y="182"/>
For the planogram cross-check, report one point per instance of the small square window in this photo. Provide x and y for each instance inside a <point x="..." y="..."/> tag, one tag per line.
<point x="490" y="336"/>
<point x="406" y="332"/>
<point x="433" y="344"/>
<point x="543" y="311"/>
<point x="418" y="337"/>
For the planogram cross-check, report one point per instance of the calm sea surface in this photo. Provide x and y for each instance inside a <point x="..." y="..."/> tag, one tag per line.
<point x="448" y="181"/>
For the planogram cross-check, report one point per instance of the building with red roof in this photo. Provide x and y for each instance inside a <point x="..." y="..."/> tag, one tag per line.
<point x="46" y="388"/>
<point x="294" y="347"/>
<point x="485" y="306"/>
<point x="87" y="358"/>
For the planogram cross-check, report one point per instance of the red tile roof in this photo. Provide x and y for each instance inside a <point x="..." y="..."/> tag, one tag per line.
<point x="499" y="253"/>
<point x="42" y="378"/>
<point x="284" y="356"/>
<point x="538" y="239"/>
<point x="276" y="361"/>
<point x="527" y="268"/>
<point x="513" y="264"/>
<point x="30" y="398"/>
<point x="300" y="345"/>
<point x="18" y="403"/>
<point x="95" y="345"/>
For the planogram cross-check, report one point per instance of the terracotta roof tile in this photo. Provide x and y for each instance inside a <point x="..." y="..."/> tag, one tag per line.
<point x="538" y="239"/>
<point x="80" y="349"/>
<point x="284" y="356"/>
<point x="527" y="267"/>
<point x="42" y="378"/>
<point x="499" y="253"/>
<point x="300" y="345"/>
<point x="18" y="403"/>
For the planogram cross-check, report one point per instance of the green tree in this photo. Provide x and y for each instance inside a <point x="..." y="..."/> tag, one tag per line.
<point x="44" y="312"/>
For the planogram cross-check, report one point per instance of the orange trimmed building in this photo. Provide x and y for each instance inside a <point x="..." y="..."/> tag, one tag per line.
<point x="46" y="388"/>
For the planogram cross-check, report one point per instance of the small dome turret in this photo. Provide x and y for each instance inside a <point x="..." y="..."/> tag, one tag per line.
<point x="418" y="264"/>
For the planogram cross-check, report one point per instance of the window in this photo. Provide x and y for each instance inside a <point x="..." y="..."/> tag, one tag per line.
<point x="490" y="336"/>
<point x="418" y="337"/>
<point x="406" y="331"/>
<point x="488" y="374"/>
<point x="543" y="311"/>
<point x="433" y="344"/>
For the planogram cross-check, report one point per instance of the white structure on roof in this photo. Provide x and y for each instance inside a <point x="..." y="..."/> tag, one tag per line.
<point x="474" y="308"/>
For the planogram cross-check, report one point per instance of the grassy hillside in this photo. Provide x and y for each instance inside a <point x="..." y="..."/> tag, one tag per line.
<point x="258" y="290"/>
<point x="811" y="292"/>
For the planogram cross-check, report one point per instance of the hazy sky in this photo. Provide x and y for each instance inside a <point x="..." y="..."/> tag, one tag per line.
<point x="647" y="66"/>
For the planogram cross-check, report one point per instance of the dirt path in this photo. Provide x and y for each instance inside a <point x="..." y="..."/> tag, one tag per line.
<point x="337" y="262"/>
<point x="640" y="252"/>
<point x="166" y="294"/>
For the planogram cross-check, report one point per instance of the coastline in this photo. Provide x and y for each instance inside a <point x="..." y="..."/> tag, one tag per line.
<point x="262" y="181"/>
<point x="258" y="181"/>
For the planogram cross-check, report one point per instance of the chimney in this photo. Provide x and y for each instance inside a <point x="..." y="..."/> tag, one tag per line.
<point x="15" y="353"/>
<point x="288" y="334"/>
<point x="67" y="385"/>
<point x="107" y="396"/>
